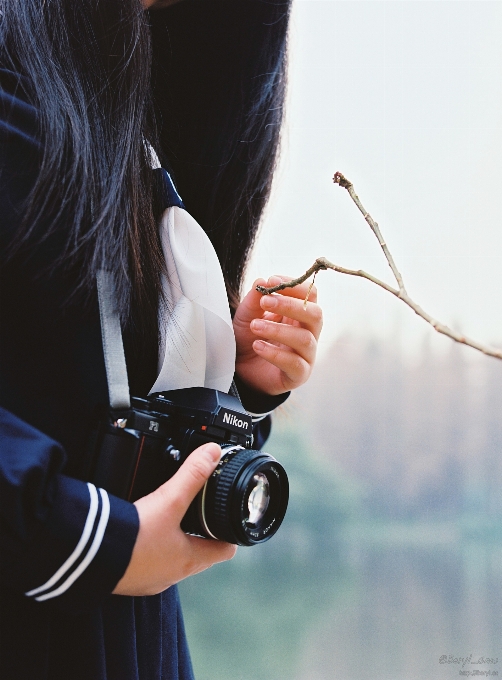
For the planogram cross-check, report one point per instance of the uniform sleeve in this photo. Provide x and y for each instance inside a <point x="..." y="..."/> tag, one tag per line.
<point x="62" y="540"/>
<point x="260" y="407"/>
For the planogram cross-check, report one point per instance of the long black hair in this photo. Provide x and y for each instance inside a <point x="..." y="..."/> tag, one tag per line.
<point x="219" y="79"/>
<point x="210" y="101"/>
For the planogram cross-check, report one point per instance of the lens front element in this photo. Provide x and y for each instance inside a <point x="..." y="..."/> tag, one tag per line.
<point x="258" y="499"/>
<point x="245" y="499"/>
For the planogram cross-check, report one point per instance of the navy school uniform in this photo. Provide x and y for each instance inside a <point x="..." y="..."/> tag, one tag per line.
<point x="64" y="544"/>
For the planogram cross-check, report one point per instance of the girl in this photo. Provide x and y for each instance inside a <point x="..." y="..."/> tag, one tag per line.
<point x="92" y="93"/>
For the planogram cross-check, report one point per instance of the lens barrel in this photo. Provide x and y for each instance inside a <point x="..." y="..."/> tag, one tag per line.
<point x="247" y="485"/>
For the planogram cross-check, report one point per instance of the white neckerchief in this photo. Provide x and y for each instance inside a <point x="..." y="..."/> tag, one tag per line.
<point x="197" y="347"/>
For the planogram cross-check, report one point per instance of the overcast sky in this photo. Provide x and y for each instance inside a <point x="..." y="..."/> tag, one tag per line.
<point x="404" y="98"/>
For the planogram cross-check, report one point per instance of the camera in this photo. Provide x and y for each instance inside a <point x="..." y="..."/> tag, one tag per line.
<point x="132" y="452"/>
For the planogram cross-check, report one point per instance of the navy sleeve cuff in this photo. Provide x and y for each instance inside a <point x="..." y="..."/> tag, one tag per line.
<point x="261" y="432"/>
<point x="63" y="541"/>
<point x="258" y="404"/>
<point x="83" y="548"/>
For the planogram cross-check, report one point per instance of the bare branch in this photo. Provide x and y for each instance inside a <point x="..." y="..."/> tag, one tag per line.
<point x="322" y="264"/>
<point x="338" y="178"/>
<point x="318" y="265"/>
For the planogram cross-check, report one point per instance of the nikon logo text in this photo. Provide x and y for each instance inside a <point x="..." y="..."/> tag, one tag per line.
<point x="231" y="419"/>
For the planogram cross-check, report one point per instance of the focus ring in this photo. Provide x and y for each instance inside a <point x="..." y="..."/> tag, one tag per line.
<point x="221" y="523"/>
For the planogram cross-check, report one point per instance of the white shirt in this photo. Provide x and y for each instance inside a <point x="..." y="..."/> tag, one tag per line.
<point x="197" y="346"/>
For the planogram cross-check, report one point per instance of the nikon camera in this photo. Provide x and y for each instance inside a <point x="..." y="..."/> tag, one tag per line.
<point x="133" y="452"/>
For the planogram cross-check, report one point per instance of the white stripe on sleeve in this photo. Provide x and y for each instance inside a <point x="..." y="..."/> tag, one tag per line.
<point x="95" y="545"/>
<point x="86" y="533"/>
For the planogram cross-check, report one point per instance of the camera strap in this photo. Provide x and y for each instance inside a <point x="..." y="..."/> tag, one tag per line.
<point x="113" y="346"/>
<point x="197" y="283"/>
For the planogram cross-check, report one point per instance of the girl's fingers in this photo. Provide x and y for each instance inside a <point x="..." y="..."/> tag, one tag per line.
<point x="179" y="491"/>
<point x="301" y="340"/>
<point x="206" y="553"/>
<point x="270" y="316"/>
<point x="294" y="308"/>
<point x="295" y="370"/>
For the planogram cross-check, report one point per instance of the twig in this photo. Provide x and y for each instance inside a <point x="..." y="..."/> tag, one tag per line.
<point x="338" y="178"/>
<point x="322" y="263"/>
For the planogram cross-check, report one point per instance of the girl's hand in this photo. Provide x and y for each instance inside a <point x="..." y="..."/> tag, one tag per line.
<point x="277" y="337"/>
<point x="163" y="554"/>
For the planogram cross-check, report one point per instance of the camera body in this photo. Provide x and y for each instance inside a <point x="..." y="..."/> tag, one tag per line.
<point x="132" y="452"/>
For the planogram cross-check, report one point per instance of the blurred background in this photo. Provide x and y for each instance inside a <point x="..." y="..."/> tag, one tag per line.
<point x="390" y="555"/>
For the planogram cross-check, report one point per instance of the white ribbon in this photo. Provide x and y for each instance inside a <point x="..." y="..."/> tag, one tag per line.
<point x="197" y="347"/>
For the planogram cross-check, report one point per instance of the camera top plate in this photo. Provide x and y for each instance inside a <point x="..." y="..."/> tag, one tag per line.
<point x="212" y="407"/>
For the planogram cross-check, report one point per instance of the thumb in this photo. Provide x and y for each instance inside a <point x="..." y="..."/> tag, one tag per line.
<point x="182" y="488"/>
<point x="249" y="307"/>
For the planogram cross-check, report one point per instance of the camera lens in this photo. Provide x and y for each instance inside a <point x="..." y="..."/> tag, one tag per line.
<point x="245" y="499"/>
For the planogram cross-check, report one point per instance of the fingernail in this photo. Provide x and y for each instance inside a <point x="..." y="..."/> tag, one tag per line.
<point x="274" y="281"/>
<point x="259" y="345"/>
<point x="212" y="453"/>
<point x="258" y="325"/>
<point x="269" y="301"/>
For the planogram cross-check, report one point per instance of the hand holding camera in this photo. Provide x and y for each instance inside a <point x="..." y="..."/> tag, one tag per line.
<point x="163" y="553"/>
<point x="134" y="451"/>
